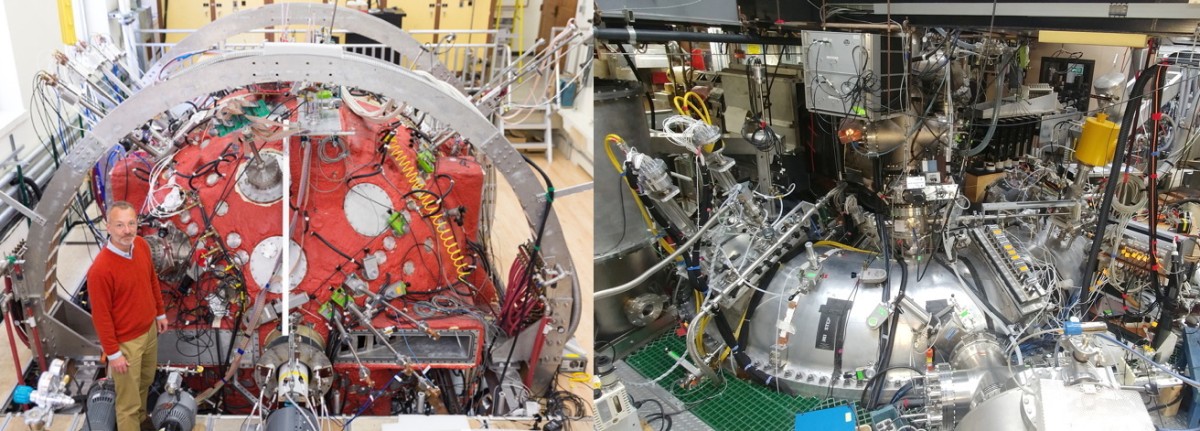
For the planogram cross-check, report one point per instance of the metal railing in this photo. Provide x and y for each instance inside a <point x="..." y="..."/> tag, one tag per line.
<point x="477" y="56"/>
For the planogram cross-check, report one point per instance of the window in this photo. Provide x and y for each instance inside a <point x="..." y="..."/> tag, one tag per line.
<point x="11" y="106"/>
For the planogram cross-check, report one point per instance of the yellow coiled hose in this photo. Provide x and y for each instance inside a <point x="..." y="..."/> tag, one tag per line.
<point x="409" y="169"/>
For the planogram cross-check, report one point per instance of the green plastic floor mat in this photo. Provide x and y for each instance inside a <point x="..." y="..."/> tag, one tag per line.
<point x="734" y="405"/>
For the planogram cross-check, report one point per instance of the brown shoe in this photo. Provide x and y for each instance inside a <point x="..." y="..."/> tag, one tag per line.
<point x="147" y="426"/>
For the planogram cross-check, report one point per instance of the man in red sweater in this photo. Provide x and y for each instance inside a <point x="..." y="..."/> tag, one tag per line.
<point x="127" y="309"/>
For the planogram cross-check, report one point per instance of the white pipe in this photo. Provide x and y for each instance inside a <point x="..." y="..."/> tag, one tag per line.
<point x="889" y="27"/>
<point x="285" y="286"/>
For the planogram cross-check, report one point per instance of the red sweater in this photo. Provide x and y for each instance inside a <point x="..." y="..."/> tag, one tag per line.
<point x="125" y="295"/>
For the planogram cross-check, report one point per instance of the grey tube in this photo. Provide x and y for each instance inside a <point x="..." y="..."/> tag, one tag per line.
<point x="39" y="169"/>
<point x="712" y="221"/>
<point x="987" y="139"/>
<point x="639" y="35"/>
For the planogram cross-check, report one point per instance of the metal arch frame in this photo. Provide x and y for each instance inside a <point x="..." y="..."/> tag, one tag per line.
<point x="278" y="14"/>
<point x="290" y="62"/>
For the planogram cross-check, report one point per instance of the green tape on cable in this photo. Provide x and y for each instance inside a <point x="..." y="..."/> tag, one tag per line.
<point x="427" y="161"/>
<point x="339" y="297"/>
<point x="398" y="224"/>
<point x="326" y="311"/>
<point x="237" y="123"/>
<point x="258" y="110"/>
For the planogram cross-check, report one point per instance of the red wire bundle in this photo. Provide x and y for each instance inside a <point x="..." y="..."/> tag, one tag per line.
<point x="521" y="300"/>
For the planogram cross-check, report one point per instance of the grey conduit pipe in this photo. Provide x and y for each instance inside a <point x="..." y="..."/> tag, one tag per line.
<point x="712" y="221"/>
<point x="987" y="139"/>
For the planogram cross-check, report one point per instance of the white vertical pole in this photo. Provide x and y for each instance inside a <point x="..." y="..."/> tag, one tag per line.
<point x="286" y="268"/>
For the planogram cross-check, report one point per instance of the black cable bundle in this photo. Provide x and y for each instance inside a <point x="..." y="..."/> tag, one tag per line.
<point x="662" y="416"/>
<point x="743" y="338"/>
<point x="886" y="341"/>
<point x="1168" y="302"/>
<point x="1134" y="102"/>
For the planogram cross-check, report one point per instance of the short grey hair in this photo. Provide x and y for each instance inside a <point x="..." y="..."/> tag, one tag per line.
<point x="120" y="205"/>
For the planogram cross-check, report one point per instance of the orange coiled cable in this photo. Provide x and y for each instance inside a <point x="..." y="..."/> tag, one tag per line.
<point x="409" y="169"/>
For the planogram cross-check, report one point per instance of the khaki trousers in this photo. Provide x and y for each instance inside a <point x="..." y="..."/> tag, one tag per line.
<point x="133" y="387"/>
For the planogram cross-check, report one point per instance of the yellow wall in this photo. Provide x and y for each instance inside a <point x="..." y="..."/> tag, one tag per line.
<point x="186" y="15"/>
<point x="418" y="16"/>
<point x="66" y="21"/>
<point x="193" y="14"/>
<point x="465" y="15"/>
<point x="455" y="14"/>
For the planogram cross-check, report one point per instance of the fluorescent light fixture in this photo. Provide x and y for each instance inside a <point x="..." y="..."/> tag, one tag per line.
<point x="1093" y="38"/>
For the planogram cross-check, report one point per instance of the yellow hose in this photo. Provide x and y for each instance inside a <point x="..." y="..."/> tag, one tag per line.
<point x="684" y="103"/>
<point x="679" y="107"/>
<point x="703" y="110"/>
<point x="610" y="139"/>
<point x="700" y="337"/>
<point x="841" y="246"/>
<point x="613" y="138"/>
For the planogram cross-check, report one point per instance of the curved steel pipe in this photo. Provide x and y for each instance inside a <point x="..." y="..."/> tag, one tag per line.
<point x="712" y="221"/>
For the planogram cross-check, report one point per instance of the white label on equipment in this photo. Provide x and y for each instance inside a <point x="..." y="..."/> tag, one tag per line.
<point x="784" y="324"/>
<point x="785" y="328"/>
<point x="916" y="182"/>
